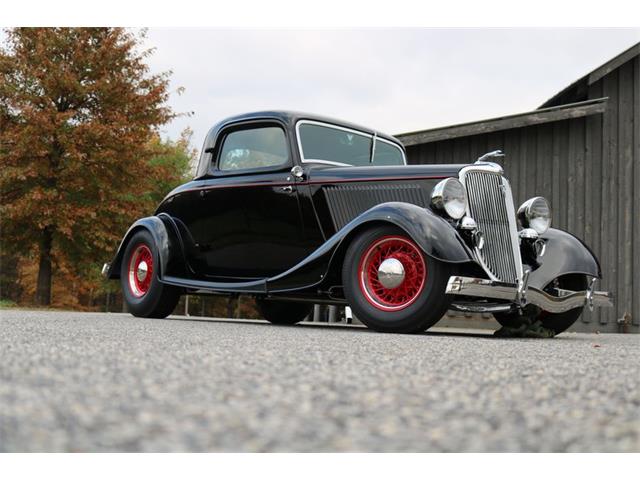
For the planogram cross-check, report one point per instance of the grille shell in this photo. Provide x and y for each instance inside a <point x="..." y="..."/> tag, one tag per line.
<point x="490" y="204"/>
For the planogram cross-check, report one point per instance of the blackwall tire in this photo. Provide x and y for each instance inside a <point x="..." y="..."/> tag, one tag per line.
<point x="412" y="306"/>
<point x="281" y="312"/>
<point x="144" y="295"/>
<point x="558" y="322"/>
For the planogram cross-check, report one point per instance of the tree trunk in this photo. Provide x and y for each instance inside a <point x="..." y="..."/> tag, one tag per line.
<point x="9" y="285"/>
<point x="43" y="288"/>
<point x="231" y="306"/>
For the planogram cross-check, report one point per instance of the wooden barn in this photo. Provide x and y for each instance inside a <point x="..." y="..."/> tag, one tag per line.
<point x="581" y="150"/>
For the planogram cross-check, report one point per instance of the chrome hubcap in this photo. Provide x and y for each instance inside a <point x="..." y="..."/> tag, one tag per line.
<point x="391" y="273"/>
<point x="141" y="273"/>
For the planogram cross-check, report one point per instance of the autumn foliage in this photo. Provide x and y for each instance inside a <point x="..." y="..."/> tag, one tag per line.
<point x="80" y="156"/>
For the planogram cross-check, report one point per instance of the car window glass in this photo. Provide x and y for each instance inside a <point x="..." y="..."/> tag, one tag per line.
<point x="254" y="148"/>
<point x="331" y="144"/>
<point x="387" y="154"/>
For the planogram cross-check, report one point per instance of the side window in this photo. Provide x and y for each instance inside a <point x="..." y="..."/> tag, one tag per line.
<point x="254" y="148"/>
<point x="387" y="154"/>
<point x="333" y="144"/>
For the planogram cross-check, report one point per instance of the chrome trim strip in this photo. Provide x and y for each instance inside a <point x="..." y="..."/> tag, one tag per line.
<point x="513" y="226"/>
<point x="373" y="146"/>
<point x="480" y="287"/>
<point x="335" y="127"/>
<point x="374" y="137"/>
<point x="326" y="162"/>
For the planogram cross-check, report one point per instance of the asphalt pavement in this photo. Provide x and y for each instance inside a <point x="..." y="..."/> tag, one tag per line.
<point x="112" y="382"/>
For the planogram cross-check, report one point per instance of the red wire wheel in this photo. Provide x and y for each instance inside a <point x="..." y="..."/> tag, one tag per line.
<point x="140" y="270"/>
<point x="398" y="297"/>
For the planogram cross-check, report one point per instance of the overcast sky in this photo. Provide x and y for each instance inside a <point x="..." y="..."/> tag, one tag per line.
<point x="394" y="80"/>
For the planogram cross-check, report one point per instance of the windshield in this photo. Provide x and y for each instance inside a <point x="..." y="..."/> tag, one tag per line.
<point x="348" y="147"/>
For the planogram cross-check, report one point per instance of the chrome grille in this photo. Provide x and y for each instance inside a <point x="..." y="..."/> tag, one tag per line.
<point x="491" y="206"/>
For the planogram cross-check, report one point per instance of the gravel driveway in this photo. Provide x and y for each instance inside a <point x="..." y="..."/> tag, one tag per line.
<point x="112" y="382"/>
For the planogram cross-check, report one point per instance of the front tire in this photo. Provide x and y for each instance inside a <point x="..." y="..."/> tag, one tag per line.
<point x="280" y="312"/>
<point x="144" y="294"/>
<point x="406" y="295"/>
<point x="558" y="322"/>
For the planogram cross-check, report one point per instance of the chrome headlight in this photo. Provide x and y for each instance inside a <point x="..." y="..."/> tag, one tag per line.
<point x="535" y="213"/>
<point x="450" y="196"/>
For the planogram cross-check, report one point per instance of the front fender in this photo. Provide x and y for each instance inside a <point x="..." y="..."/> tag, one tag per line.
<point x="564" y="254"/>
<point x="436" y="237"/>
<point x="164" y="236"/>
<point x="432" y="233"/>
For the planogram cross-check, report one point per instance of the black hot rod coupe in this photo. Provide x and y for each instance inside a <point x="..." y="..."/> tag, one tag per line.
<point x="297" y="209"/>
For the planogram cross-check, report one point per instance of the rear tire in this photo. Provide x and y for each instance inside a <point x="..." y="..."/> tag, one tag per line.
<point x="412" y="306"/>
<point x="281" y="312"/>
<point x="144" y="294"/>
<point x="558" y="322"/>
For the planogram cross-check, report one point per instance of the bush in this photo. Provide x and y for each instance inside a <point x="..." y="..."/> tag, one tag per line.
<point x="4" y="303"/>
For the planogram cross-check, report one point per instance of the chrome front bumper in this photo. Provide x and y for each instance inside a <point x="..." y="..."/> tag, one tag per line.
<point x="488" y="289"/>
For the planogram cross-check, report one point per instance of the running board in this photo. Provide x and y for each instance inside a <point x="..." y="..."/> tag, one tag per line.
<point x="254" y="286"/>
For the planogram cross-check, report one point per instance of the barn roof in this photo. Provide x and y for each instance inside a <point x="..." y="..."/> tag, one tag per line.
<point x="543" y="115"/>
<point x="578" y="90"/>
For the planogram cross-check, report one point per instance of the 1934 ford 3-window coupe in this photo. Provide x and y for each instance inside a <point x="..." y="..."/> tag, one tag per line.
<point x="296" y="209"/>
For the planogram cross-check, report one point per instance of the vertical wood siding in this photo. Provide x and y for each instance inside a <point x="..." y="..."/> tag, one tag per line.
<point x="589" y="169"/>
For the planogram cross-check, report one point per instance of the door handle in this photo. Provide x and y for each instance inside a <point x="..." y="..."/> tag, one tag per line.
<point x="287" y="189"/>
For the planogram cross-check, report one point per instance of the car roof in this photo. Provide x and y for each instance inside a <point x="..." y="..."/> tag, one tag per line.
<point x="290" y="118"/>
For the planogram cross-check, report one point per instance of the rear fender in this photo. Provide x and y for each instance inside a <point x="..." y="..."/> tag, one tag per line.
<point x="167" y="242"/>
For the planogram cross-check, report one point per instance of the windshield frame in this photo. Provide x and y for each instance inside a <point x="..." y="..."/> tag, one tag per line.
<point x="372" y="136"/>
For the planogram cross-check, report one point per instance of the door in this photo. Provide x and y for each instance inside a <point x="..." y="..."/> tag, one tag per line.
<point x="249" y="223"/>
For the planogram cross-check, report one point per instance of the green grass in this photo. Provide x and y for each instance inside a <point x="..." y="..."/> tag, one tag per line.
<point x="7" y="303"/>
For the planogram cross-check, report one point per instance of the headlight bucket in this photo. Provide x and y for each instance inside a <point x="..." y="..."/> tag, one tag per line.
<point x="450" y="196"/>
<point x="535" y="213"/>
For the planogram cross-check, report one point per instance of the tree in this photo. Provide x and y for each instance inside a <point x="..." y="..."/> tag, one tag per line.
<point x="79" y="285"/>
<point x="78" y="112"/>
<point x="170" y="164"/>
